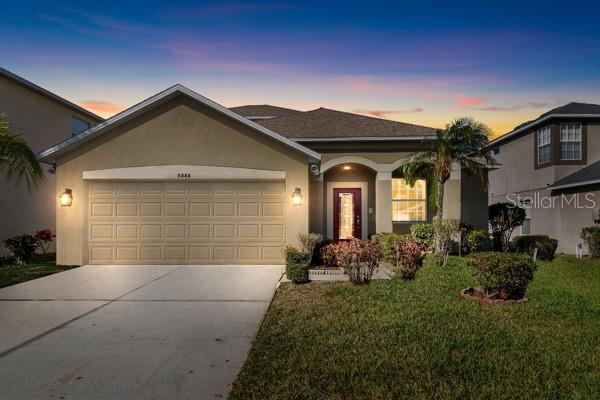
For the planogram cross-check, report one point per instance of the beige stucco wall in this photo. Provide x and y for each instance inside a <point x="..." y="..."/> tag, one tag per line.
<point x="465" y="198"/>
<point x="181" y="132"/>
<point x="42" y="122"/>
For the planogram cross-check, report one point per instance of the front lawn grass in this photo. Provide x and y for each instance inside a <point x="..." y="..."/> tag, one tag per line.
<point x="420" y="340"/>
<point x="13" y="274"/>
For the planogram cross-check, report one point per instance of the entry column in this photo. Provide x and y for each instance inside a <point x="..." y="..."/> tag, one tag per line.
<point x="383" y="202"/>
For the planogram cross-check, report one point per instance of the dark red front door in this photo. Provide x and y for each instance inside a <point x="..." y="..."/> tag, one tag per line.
<point x="346" y="214"/>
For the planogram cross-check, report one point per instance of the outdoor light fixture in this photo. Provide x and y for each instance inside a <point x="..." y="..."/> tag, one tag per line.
<point x="346" y="167"/>
<point x="297" y="197"/>
<point x="66" y="198"/>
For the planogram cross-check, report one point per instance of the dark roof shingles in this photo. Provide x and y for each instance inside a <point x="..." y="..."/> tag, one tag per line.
<point x="325" y="123"/>
<point x="589" y="173"/>
<point x="263" y="110"/>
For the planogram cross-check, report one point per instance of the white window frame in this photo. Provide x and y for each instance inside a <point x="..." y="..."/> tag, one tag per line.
<point x="571" y="136"/>
<point x="544" y="139"/>
<point x="398" y="200"/>
<point x="526" y="205"/>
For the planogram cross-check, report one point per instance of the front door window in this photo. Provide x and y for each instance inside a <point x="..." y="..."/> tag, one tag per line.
<point x="346" y="214"/>
<point x="346" y="229"/>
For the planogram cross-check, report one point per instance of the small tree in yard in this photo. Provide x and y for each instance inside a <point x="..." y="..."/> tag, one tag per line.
<point x="461" y="142"/>
<point x="503" y="219"/>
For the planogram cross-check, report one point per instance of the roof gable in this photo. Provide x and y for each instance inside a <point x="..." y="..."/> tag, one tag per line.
<point x="135" y="111"/>
<point x="570" y="110"/>
<point x="327" y="123"/>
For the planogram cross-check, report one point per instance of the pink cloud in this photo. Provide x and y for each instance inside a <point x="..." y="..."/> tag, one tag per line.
<point x="101" y="107"/>
<point x="514" y="107"/>
<point x="386" y="113"/>
<point x="465" y="101"/>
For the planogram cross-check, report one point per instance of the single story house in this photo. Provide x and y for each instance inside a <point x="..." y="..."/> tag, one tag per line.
<point x="180" y="179"/>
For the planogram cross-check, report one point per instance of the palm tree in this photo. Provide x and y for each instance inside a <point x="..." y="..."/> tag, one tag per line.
<point x="461" y="142"/>
<point x="17" y="160"/>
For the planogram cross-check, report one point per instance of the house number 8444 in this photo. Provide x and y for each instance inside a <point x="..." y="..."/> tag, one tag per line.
<point x="184" y="175"/>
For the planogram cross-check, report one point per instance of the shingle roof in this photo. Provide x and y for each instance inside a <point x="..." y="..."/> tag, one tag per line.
<point x="570" y="109"/>
<point x="326" y="123"/>
<point x="582" y="177"/>
<point x="262" y="110"/>
<point x="574" y="108"/>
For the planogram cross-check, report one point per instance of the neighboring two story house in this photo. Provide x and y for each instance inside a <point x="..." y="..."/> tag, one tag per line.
<point x="551" y="167"/>
<point x="43" y="119"/>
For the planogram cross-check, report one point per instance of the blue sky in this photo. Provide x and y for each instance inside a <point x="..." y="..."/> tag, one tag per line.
<point x="419" y="62"/>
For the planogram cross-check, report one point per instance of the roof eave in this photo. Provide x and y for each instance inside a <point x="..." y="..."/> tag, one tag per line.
<point x="514" y="132"/>
<point x="50" y="155"/>
<point x="364" y="138"/>
<point x="46" y="93"/>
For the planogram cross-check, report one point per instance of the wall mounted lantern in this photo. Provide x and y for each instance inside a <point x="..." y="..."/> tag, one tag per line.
<point x="297" y="197"/>
<point x="66" y="198"/>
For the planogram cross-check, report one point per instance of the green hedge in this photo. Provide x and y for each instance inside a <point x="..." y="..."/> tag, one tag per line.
<point x="422" y="233"/>
<point x="297" y="265"/>
<point x="477" y="240"/>
<point x="591" y="238"/>
<point x="503" y="275"/>
<point x="527" y="244"/>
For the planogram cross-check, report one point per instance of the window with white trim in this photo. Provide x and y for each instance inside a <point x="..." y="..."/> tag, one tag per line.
<point x="544" y="144"/>
<point x="570" y="141"/>
<point x="526" y="227"/>
<point x="409" y="203"/>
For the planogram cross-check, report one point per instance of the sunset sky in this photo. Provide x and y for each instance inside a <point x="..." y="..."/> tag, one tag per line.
<point x="419" y="62"/>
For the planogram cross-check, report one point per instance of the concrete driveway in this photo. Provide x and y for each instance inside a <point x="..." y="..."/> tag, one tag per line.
<point x="131" y="332"/>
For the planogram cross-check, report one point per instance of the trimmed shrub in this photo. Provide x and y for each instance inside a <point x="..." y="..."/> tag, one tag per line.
<point x="463" y="231"/>
<point x="477" y="240"/>
<point x="317" y="257"/>
<point x="44" y="238"/>
<point x="358" y="258"/>
<point x="423" y="233"/>
<point x="297" y="265"/>
<point x="387" y="242"/>
<point x="528" y="243"/>
<point x="446" y="231"/>
<point x="591" y="238"/>
<point x="503" y="275"/>
<point x="410" y="254"/>
<point x="328" y="257"/>
<point x="21" y="247"/>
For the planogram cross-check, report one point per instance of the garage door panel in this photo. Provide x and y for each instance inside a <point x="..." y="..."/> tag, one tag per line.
<point x="186" y="222"/>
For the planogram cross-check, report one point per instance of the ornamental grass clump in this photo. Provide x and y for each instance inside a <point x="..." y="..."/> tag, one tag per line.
<point x="358" y="258"/>
<point x="409" y="257"/>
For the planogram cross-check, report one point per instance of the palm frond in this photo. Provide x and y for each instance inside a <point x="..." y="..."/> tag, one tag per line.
<point x="17" y="160"/>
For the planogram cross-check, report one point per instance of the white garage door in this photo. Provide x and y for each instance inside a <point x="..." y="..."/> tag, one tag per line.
<point x="186" y="222"/>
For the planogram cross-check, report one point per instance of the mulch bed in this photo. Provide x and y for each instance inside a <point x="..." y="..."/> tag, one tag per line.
<point x="478" y="295"/>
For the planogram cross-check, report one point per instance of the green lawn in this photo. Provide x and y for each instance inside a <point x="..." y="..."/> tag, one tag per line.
<point x="13" y="274"/>
<point x="395" y="339"/>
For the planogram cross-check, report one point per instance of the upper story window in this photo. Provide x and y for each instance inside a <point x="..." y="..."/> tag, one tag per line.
<point x="570" y="141"/>
<point x="409" y="203"/>
<point x="544" y="144"/>
<point x="78" y="125"/>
